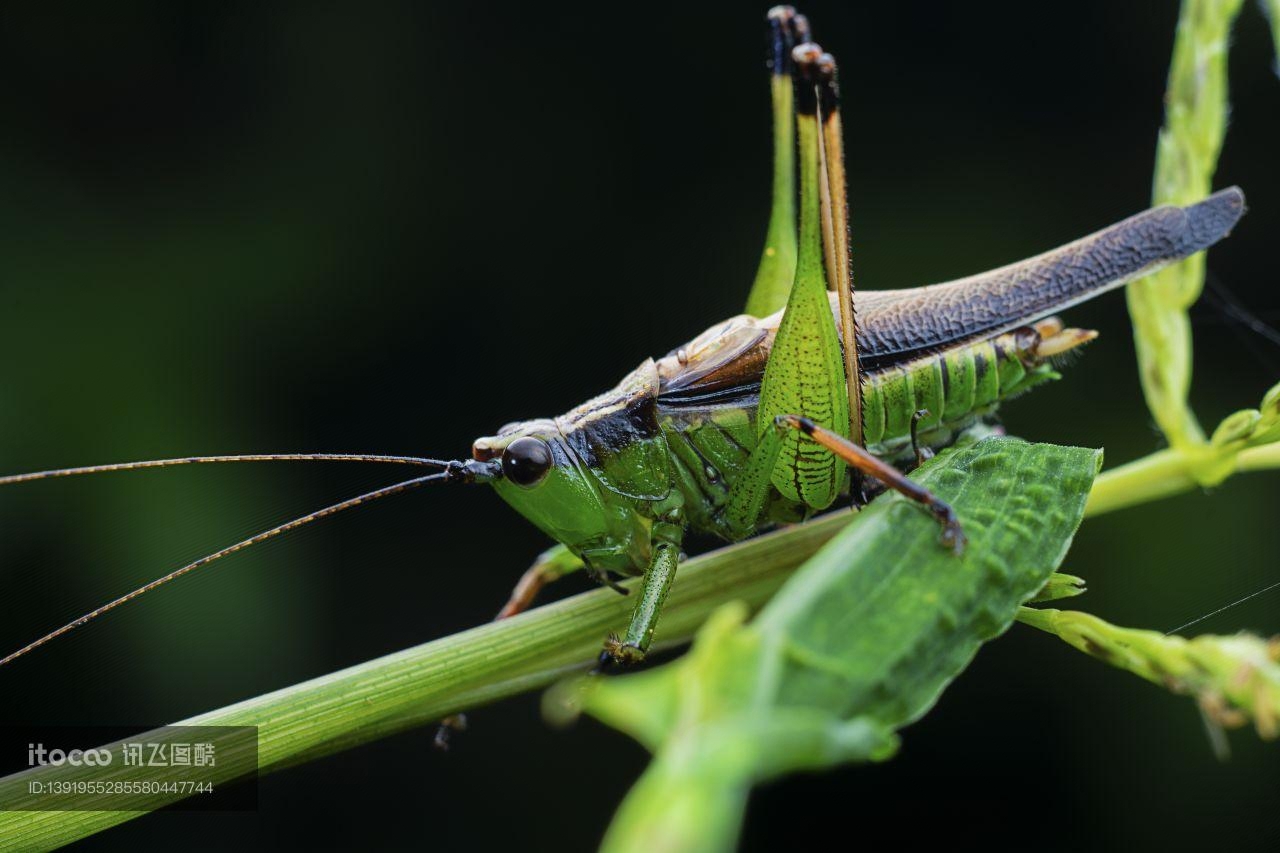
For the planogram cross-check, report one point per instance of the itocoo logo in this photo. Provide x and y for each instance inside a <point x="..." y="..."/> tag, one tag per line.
<point x="38" y="755"/>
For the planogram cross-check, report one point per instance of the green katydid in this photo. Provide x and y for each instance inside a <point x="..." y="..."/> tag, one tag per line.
<point x="760" y="419"/>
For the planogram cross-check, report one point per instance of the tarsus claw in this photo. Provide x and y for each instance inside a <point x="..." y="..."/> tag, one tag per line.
<point x="952" y="536"/>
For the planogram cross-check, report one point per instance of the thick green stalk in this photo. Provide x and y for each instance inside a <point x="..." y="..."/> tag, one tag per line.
<point x="1162" y="475"/>
<point x="1244" y="441"/>
<point x="413" y="687"/>
<point x="1186" y="157"/>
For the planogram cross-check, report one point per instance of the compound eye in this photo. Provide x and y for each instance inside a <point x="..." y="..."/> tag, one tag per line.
<point x="526" y="461"/>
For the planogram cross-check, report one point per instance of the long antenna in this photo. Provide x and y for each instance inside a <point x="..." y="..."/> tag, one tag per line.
<point x="202" y="460"/>
<point x="386" y="491"/>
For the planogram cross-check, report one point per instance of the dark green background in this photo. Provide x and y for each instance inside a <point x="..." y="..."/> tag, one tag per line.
<point x="392" y="230"/>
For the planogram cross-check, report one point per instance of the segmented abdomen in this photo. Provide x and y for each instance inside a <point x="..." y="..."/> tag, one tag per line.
<point x="955" y="386"/>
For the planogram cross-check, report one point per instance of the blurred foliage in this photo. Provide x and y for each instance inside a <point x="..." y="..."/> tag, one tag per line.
<point x="1235" y="679"/>
<point x="1273" y="12"/>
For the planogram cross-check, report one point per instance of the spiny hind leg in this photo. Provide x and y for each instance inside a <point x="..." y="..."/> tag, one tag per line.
<point x="551" y="565"/>
<point x="778" y="261"/>
<point x="813" y="368"/>
<point x="860" y="460"/>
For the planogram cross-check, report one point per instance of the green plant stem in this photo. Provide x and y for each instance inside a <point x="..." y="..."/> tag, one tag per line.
<point x="1163" y="474"/>
<point x="416" y="686"/>
<point x="1236" y="678"/>
<point x="1186" y="157"/>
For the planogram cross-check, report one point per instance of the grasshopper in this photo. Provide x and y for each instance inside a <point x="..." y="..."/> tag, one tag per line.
<point x="777" y="414"/>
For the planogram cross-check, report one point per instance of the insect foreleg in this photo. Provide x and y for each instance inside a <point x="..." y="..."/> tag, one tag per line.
<point x="551" y="565"/>
<point x="667" y="534"/>
<point x="859" y="459"/>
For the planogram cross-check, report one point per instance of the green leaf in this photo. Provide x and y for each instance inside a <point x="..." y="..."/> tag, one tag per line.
<point x="861" y="641"/>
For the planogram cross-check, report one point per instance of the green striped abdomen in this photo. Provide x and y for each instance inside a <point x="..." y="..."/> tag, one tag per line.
<point x="955" y="385"/>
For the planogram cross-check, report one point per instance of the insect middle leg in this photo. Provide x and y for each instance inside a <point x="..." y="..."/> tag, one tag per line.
<point x="551" y="565"/>
<point x="666" y="536"/>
